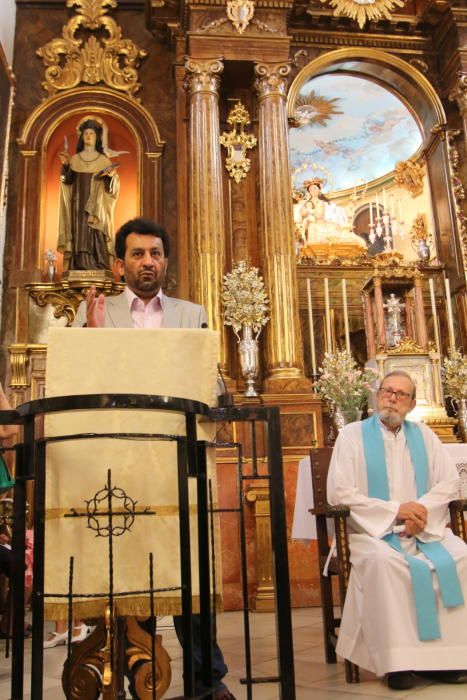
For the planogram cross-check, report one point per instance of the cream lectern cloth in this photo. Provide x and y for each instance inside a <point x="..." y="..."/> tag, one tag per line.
<point x="169" y="362"/>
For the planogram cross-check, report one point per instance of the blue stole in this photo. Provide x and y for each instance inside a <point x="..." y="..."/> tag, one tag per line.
<point x="445" y="567"/>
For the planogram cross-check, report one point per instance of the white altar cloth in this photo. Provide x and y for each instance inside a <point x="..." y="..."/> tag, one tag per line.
<point x="164" y="361"/>
<point x="304" y="523"/>
<point x="459" y="452"/>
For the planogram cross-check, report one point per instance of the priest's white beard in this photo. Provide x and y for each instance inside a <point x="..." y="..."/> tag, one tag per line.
<point x="390" y="418"/>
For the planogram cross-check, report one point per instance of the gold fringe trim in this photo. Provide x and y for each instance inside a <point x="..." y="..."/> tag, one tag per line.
<point x="135" y="606"/>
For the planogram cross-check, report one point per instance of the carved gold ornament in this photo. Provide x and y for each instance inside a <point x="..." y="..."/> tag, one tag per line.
<point x="409" y="176"/>
<point x="70" y="60"/>
<point x="459" y="192"/>
<point x="237" y="143"/>
<point x="392" y="261"/>
<point x="139" y="653"/>
<point x="419" y="230"/>
<point x="240" y="13"/>
<point x="312" y="108"/>
<point x="407" y="346"/>
<point x="364" y="10"/>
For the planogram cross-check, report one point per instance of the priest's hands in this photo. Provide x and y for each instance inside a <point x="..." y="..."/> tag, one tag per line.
<point x="414" y="516"/>
<point x="95" y="309"/>
<point x="412" y="529"/>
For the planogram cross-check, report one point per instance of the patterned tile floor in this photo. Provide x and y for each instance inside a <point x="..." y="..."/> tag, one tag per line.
<point x="315" y="680"/>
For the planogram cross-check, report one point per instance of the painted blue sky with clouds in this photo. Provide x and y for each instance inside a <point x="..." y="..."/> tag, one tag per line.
<point x="374" y="131"/>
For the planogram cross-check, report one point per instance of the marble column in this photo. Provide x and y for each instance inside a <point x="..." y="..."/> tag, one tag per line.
<point x="420" y="321"/>
<point x="284" y="351"/>
<point x="379" y="314"/>
<point x="409" y="316"/>
<point x="263" y="600"/>
<point x="369" y="325"/>
<point x="206" y="240"/>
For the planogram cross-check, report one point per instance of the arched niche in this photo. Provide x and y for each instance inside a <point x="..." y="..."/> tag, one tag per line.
<point x="420" y="97"/>
<point x="131" y="128"/>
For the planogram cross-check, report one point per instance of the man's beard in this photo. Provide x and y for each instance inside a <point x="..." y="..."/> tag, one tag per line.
<point x="390" y="418"/>
<point x="148" y="285"/>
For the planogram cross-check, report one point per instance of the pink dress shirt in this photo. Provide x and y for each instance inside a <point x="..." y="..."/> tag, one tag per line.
<point x="145" y="315"/>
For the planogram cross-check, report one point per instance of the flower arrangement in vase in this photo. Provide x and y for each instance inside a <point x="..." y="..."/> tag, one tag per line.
<point x="344" y="385"/>
<point x="246" y="309"/>
<point x="454" y="374"/>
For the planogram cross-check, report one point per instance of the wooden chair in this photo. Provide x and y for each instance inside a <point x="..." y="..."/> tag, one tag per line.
<point x="339" y="565"/>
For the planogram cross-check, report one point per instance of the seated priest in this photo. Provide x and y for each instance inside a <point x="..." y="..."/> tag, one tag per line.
<point x="405" y="609"/>
<point x="142" y="250"/>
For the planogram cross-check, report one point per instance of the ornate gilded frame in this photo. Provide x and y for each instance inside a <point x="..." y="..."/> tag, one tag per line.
<point x="31" y="176"/>
<point x="420" y="96"/>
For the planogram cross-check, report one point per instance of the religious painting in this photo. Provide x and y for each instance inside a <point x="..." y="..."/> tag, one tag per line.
<point x="351" y="129"/>
<point x="348" y="137"/>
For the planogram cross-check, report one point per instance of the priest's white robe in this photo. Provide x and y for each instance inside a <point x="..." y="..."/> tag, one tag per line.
<point x="378" y="629"/>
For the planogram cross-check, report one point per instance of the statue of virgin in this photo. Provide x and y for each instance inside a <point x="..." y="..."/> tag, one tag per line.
<point x="322" y="228"/>
<point x="88" y="192"/>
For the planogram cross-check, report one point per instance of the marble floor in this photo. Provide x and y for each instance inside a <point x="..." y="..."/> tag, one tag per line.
<point x="315" y="680"/>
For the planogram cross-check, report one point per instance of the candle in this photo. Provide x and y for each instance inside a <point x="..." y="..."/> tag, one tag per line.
<point x="393" y="208"/>
<point x="452" y="342"/>
<point x="327" y="316"/>
<point x="312" y="332"/>
<point x="65" y="144"/>
<point x="384" y="200"/>
<point x="346" y="315"/>
<point x="371" y="214"/>
<point x="399" y="202"/>
<point x="434" y="313"/>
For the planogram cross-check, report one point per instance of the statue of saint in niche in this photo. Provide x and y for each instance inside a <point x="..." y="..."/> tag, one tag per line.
<point x="394" y="327"/>
<point x="88" y="192"/>
<point x="322" y="227"/>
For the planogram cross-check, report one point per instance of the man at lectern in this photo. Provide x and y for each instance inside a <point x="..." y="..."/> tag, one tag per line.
<point x="142" y="250"/>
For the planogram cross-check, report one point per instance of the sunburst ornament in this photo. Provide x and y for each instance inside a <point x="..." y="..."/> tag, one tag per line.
<point x="364" y="10"/>
<point x="314" y="109"/>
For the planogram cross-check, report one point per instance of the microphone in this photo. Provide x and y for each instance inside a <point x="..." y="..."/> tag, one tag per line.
<point x="225" y="398"/>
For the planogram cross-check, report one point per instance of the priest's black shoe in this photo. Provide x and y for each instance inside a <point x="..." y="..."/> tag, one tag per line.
<point x="446" y="676"/>
<point x="401" y="680"/>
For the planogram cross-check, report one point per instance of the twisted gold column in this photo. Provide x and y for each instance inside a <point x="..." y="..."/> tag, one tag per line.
<point x="284" y="352"/>
<point x="206" y="205"/>
<point x="459" y="95"/>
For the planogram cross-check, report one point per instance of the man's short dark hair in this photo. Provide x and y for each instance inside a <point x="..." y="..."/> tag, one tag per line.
<point x="144" y="227"/>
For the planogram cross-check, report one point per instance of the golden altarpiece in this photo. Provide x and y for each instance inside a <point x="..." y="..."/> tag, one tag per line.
<point x="166" y="96"/>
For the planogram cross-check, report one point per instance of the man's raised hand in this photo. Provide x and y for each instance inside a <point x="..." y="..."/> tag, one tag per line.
<point x="95" y="309"/>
